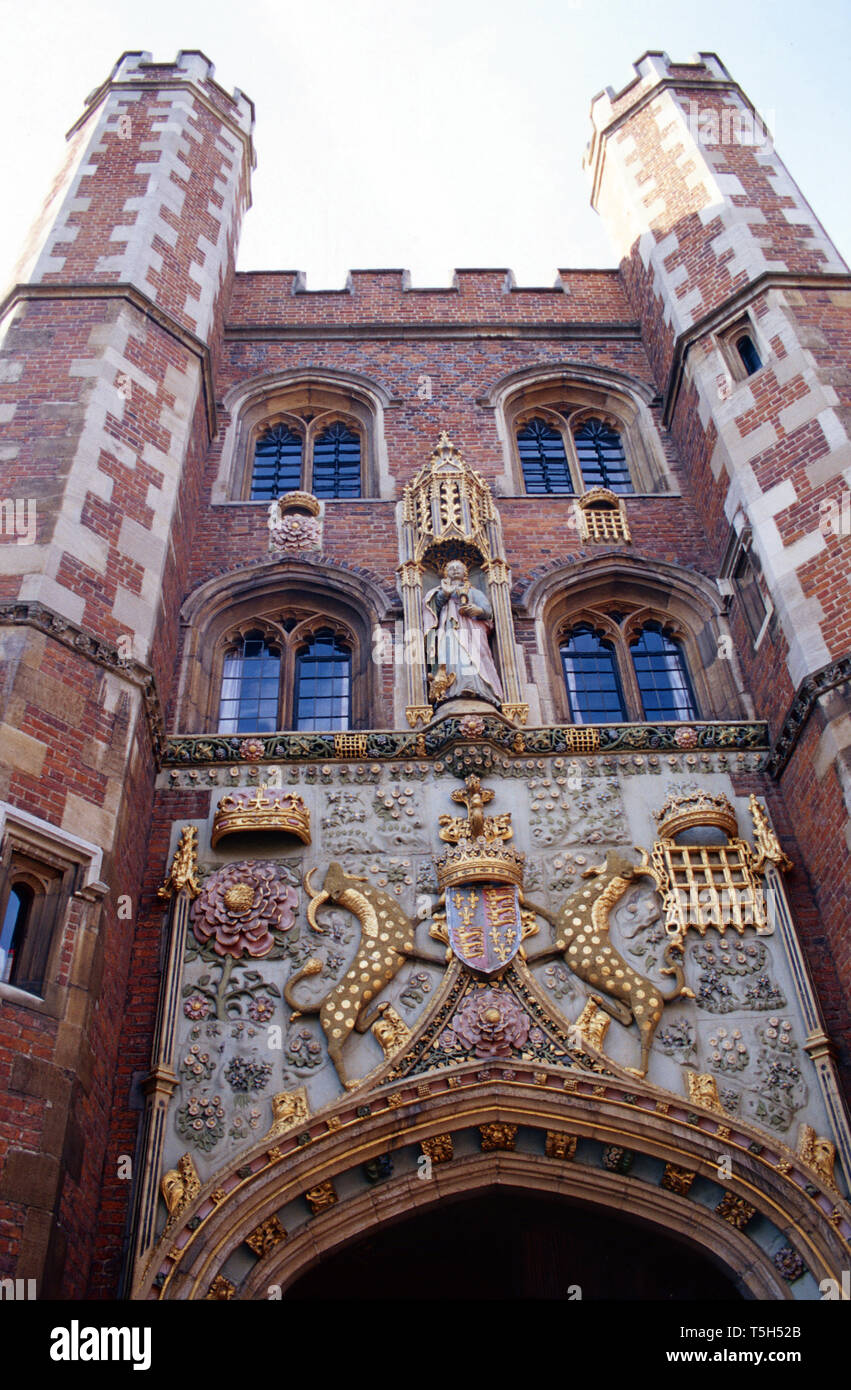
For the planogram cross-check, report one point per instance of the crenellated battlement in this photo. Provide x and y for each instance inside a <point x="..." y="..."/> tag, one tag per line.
<point x="265" y="298"/>
<point x="191" y="68"/>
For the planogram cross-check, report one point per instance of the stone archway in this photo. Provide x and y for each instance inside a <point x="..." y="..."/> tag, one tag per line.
<point x="390" y="1151"/>
<point x="504" y="1242"/>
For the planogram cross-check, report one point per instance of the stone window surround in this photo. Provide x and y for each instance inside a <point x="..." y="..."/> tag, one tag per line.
<point x="620" y="636"/>
<point x="685" y="605"/>
<point x="582" y="393"/>
<point x="725" y="338"/>
<point x="741" y="543"/>
<point x="28" y="846"/>
<point x="309" y="433"/>
<point x="263" y="598"/>
<point x="283" y="398"/>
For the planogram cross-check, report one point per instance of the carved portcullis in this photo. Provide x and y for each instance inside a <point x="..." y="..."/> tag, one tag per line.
<point x="714" y="878"/>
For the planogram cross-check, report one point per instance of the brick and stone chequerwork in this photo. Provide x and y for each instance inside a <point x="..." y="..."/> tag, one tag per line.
<point x="110" y="330"/>
<point x="137" y="367"/>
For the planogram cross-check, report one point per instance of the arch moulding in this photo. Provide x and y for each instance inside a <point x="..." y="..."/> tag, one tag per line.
<point x="261" y="1222"/>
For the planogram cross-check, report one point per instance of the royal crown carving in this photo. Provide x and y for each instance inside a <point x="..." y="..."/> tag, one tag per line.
<point x="283" y="813"/>
<point x="684" y="811"/>
<point x="479" y="853"/>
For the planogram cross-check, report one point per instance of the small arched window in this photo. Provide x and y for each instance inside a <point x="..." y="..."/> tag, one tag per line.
<point x="16" y="920"/>
<point x="277" y="463"/>
<point x="251" y="681"/>
<point x="746" y="348"/>
<point x="323" y="684"/>
<point x="337" y="462"/>
<point x="601" y="456"/>
<point x="662" y="675"/>
<point x="594" y="690"/>
<point x="543" y="458"/>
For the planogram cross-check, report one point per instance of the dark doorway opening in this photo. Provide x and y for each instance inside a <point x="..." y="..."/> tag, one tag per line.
<point x="508" y="1244"/>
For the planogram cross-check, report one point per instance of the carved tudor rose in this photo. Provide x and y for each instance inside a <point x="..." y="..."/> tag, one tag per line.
<point x="239" y="908"/>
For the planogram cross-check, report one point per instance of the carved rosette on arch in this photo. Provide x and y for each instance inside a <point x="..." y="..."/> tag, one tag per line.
<point x="491" y="1023"/>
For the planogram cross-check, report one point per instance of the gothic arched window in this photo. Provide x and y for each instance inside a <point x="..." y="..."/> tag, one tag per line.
<point x="662" y="675"/>
<point x="251" y="680"/>
<point x="323" y="684"/>
<point x="296" y="672"/>
<point x="16" y="920"/>
<point x="594" y="690"/>
<point x="747" y="350"/>
<point x="601" y="456"/>
<point x="321" y="455"/>
<point x="336" y="462"/>
<point x="277" y="463"/>
<point x="543" y="458"/>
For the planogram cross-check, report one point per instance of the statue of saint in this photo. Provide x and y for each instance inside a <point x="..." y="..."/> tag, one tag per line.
<point x="457" y="619"/>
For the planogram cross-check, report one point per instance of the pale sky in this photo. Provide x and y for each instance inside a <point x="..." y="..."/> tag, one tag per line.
<point x="427" y="136"/>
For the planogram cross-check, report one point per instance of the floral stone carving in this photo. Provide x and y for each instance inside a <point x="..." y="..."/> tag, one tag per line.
<point x="201" y="1121"/>
<point x="239" y="908"/>
<point x="490" y="1023"/>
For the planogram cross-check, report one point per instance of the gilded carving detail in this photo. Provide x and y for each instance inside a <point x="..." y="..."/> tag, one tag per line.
<point x="321" y="1197"/>
<point x="561" y="1145"/>
<point x="583" y="921"/>
<point x="676" y="1179"/>
<point x="703" y="1090"/>
<point x="735" y="1210"/>
<point x="819" y="1153"/>
<point x="439" y="1148"/>
<point x="290" y="1108"/>
<point x="593" y="1024"/>
<point x="261" y="811"/>
<point x="220" y="1290"/>
<point x="180" y="1186"/>
<point x="183" y="873"/>
<point x="498" y="1136"/>
<point x="386" y="942"/>
<point x="266" y="1236"/>
<point x="712" y="884"/>
<point x="390" y="1031"/>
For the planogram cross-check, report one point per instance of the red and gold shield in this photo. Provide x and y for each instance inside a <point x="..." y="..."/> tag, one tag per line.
<point x="484" y="924"/>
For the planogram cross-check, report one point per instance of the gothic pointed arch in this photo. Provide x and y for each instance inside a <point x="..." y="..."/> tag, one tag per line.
<point x="624" y="596"/>
<point x="618" y="1143"/>
<point x="288" y="603"/>
<point x="318" y="408"/>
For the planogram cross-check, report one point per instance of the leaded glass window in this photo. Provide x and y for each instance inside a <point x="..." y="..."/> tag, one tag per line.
<point x="601" y="456"/>
<point x="591" y="676"/>
<point x="543" y="459"/>
<point x="251" y="679"/>
<point x="662" y="676"/>
<point x="277" y="464"/>
<point x="323" y="684"/>
<point x="336" y="463"/>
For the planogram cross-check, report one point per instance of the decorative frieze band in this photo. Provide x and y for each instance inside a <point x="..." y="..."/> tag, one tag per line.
<point x="435" y="741"/>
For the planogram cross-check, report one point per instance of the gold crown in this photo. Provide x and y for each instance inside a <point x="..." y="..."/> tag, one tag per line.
<point x="696" y="807"/>
<point x="281" y="812"/>
<point x="479" y="861"/>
